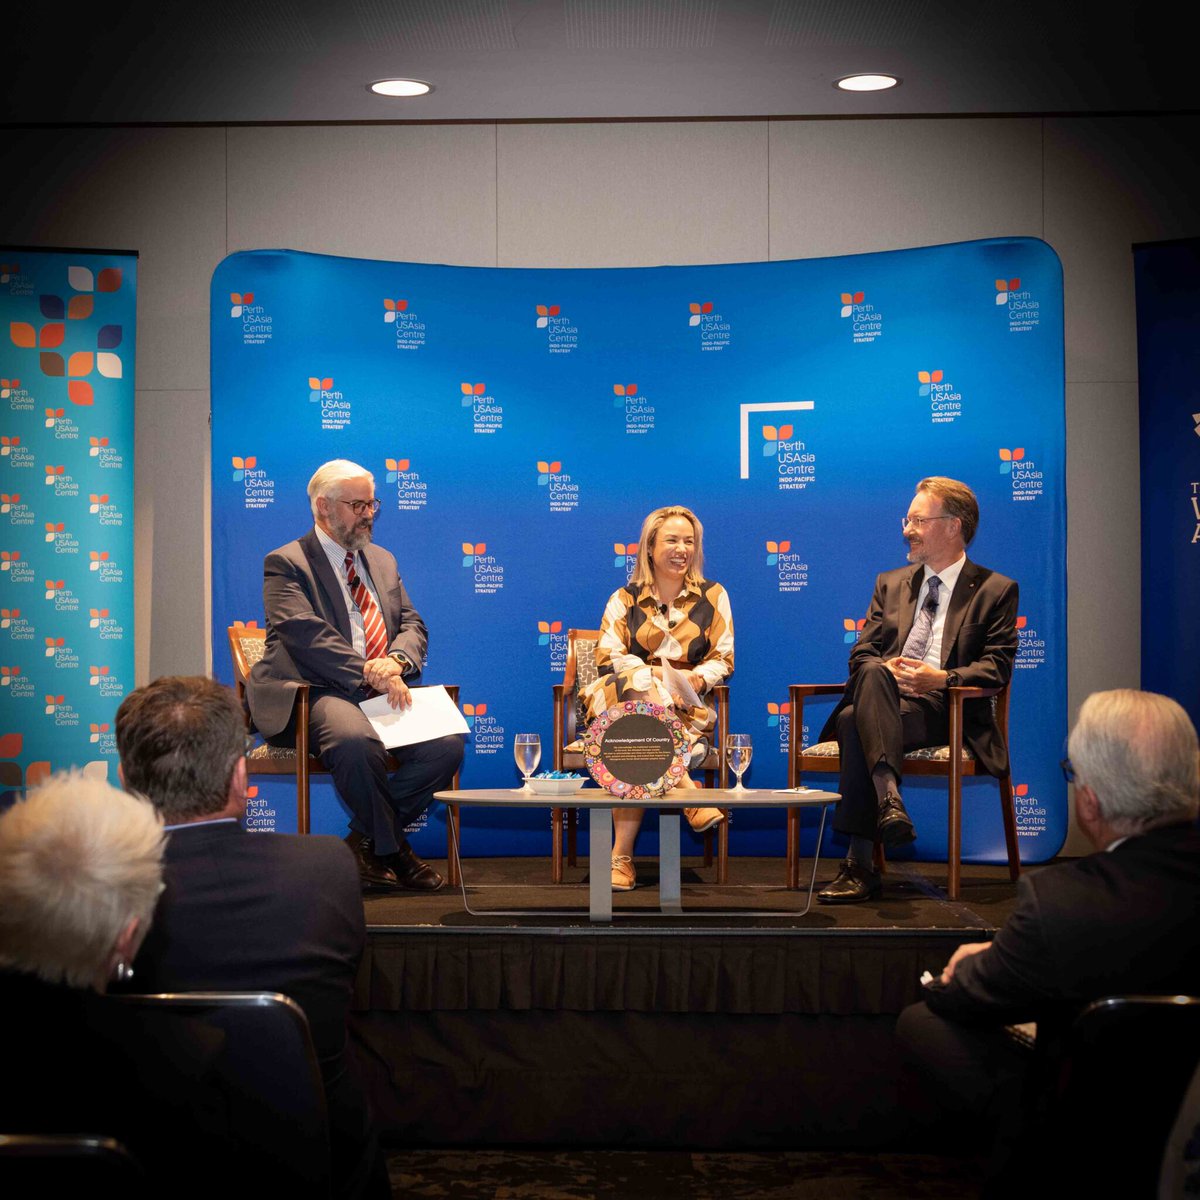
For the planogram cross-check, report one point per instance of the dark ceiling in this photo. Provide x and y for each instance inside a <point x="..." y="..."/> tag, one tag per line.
<point x="274" y="60"/>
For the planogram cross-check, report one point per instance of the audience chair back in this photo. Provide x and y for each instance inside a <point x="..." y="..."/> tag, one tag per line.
<point x="951" y="762"/>
<point x="68" y="1165"/>
<point x="1127" y="1064"/>
<point x="268" y="1052"/>
<point x="570" y="720"/>
<point x="246" y="646"/>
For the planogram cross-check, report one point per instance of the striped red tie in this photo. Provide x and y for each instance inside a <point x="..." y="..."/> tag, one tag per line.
<point x="373" y="626"/>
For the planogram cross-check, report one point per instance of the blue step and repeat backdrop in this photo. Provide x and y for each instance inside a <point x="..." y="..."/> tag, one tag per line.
<point x="521" y="423"/>
<point x="67" y="346"/>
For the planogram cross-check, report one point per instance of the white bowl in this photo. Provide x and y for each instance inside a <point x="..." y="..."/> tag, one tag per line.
<point x="556" y="787"/>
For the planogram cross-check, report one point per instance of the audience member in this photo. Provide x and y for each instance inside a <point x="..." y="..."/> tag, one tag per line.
<point x="242" y="911"/>
<point x="1121" y="920"/>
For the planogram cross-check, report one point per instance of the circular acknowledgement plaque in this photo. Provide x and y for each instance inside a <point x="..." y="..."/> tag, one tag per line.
<point x="636" y="750"/>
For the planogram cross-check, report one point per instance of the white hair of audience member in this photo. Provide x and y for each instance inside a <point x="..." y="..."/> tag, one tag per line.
<point x="1138" y="752"/>
<point x="328" y="478"/>
<point x="80" y="874"/>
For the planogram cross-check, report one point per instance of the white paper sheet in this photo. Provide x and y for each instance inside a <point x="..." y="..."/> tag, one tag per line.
<point x="432" y="715"/>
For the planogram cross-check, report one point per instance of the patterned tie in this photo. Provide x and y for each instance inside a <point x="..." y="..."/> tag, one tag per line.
<point x="373" y="626"/>
<point x="917" y="642"/>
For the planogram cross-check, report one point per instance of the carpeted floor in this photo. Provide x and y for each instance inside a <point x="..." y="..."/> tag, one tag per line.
<point x="669" y="1174"/>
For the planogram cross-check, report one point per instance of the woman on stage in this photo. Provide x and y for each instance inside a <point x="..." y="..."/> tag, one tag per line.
<point x="667" y="613"/>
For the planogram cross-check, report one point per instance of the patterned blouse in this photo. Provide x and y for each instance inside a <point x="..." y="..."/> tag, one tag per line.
<point x="695" y="635"/>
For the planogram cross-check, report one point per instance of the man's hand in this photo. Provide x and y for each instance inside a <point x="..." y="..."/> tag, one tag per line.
<point x="964" y="951"/>
<point x="385" y="675"/>
<point x="398" y="695"/>
<point x="914" y="677"/>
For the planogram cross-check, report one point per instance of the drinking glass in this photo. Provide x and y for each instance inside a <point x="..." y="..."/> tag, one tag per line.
<point x="527" y="750"/>
<point x="739" y="750"/>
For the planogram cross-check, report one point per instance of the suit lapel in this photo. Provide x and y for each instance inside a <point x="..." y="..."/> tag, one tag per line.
<point x="331" y="590"/>
<point x="906" y="613"/>
<point x="963" y="594"/>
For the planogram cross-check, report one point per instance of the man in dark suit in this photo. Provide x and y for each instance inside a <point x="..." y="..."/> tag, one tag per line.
<point x="339" y="619"/>
<point x="1122" y="920"/>
<point x="942" y="622"/>
<point x="242" y="911"/>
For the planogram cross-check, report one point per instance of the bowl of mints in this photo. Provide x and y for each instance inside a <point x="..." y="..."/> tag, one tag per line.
<point x="556" y="783"/>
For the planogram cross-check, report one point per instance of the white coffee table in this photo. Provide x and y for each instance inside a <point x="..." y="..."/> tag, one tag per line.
<point x="600" y="807"/>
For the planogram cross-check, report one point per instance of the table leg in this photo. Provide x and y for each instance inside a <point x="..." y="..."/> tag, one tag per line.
<point x="600" y="864"/>
<point x="668" y="861"/>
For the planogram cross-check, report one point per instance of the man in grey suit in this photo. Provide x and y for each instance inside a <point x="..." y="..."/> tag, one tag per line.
<point x="942" y="622"/>
<point x="339" y="619"/>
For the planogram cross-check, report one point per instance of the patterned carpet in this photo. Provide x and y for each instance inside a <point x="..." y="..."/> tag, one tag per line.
<point x="667" y="1175"/>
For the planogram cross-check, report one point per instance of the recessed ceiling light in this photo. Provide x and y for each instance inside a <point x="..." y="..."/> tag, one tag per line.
<point x="401" y="87"/>
<point x="866" y="83"/>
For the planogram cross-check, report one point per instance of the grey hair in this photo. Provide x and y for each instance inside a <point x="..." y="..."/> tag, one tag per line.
<point x="328" y="478"/>
<point x="78" y="859"/>
<point x="1138" y="752"/>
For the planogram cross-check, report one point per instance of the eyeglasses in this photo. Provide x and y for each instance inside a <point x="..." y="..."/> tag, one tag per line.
<point x="248" y="744"/>
<point x="361" y="507"/>
<point x="918" y="522"/>
<point x="1068" y="770"/>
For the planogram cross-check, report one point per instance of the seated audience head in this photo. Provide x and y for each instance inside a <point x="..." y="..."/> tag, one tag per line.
<point x="1136" y="764"/>
<point x="80" y="874"/>
<point x="643" y="571"/>
<point x="182" y="743"/>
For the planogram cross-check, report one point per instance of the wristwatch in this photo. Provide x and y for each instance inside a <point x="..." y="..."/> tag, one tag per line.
<point x="403" y="662"/>
<point x="953" y="679"/>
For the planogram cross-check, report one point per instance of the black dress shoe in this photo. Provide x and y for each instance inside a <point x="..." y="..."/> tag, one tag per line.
<point x="412" y="872"/>
<point x="853" y="883"/>
<point x="373" y="872"/>
<point x="895" y="827"/>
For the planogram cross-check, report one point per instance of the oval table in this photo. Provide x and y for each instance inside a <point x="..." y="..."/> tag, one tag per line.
<point x="600" y="806"/>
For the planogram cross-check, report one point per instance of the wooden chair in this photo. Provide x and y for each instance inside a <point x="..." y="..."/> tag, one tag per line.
<point x="246" y="646"/>
<point x="570" y="716"/>
<point x="951" y="762"/>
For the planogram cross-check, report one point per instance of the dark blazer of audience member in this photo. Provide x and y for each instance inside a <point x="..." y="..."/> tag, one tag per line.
<point x="243" y="911"/>
<point x="80" y="874"/>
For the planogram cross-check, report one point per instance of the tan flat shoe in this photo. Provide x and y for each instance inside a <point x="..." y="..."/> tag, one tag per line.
<point x="624" y="877"/>
<point x="703" y="819"/>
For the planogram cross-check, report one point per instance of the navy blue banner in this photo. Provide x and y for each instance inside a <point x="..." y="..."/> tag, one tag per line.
<point x="521" y="423"/>
<point x="1168" y="321"/>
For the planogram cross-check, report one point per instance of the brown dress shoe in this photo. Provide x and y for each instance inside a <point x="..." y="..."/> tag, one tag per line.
<point x="413" y="873"/>
<point x="373" y="872"/>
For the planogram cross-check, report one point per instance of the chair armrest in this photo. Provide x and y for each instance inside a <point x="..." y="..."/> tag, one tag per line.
<point x="816" y="689"/>
<point x="958" y="694"/>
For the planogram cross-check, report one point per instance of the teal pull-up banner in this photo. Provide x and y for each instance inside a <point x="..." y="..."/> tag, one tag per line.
<point x="67" y="346"/>
<point x="521" y="423"/>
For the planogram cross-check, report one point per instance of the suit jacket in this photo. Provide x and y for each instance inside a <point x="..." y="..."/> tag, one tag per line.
<point x="259" y="912"/>
<point x="308" y="629"/>
<point x="1121" y="921"/>
<point x="979" y="641"/>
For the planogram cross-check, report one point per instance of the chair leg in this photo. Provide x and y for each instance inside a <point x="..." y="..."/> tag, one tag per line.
<point x="879" y="859"/>
<point x="954" y="857"/>
<point x="1010" y="827"/>
<point x="556" y="847"/>
<point x="723" y="850"/>
<point x="572" y="833"/>
<point x="708" y="854"/>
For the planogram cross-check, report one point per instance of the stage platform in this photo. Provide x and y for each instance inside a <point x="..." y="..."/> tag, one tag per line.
<point x="737" y="1031"/>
